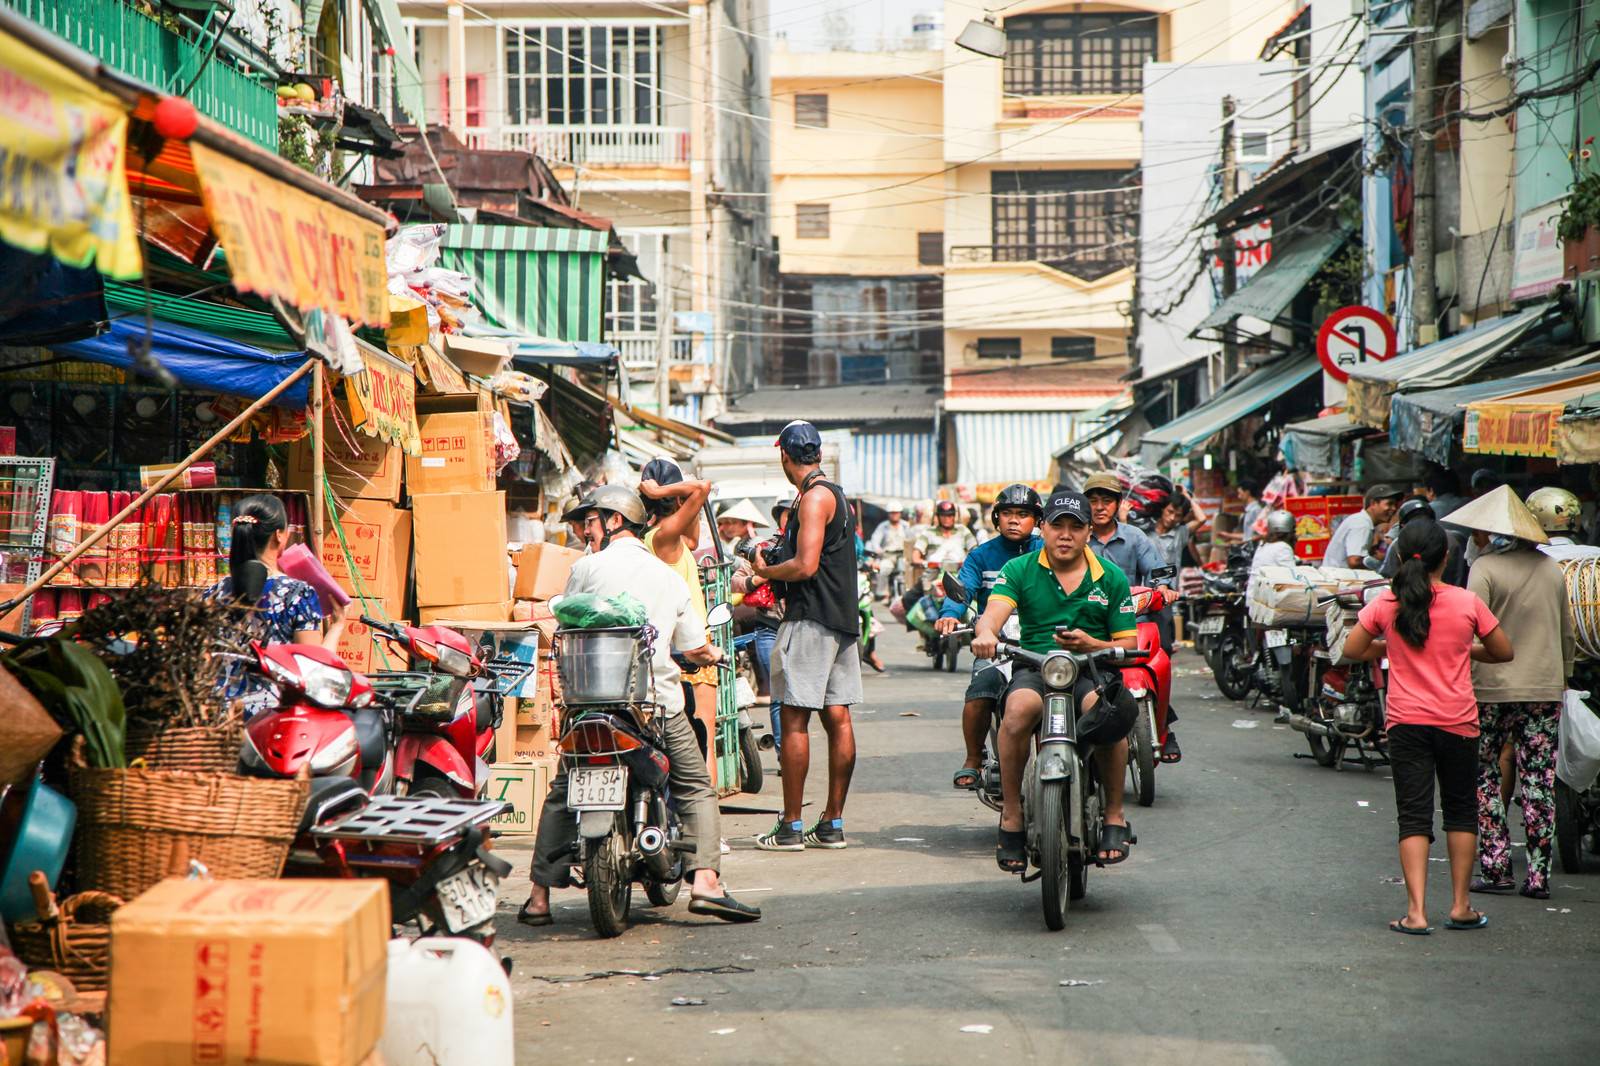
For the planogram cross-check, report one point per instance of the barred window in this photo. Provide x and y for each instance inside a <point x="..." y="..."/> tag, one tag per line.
<point x="1085" y="222"/>
<point x="1072" y="347"/>
<point x="999" y="347"/>
<point x="583" y="75"/>
<point x="811" y="109"/>
<point x="1089" y="54"/>
<point x="930" y="248"/>
<point x="811" y="220"/>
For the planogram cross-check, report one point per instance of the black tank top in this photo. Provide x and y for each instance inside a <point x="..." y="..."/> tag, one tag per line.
<point x="829" y="597"/>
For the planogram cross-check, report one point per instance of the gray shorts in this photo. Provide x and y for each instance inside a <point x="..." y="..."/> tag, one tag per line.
<point x="814" y="666"/>
<point x="988" y="681"/>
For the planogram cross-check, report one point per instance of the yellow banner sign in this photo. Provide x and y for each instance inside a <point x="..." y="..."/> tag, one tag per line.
<point x="286" y="243"/>
<point x="1511" y="428"/>
<point x="383" y="401"/>
<point x="63" y="166"/>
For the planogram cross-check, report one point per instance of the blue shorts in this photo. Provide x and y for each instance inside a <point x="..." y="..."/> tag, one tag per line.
<point x="988" y="681"/>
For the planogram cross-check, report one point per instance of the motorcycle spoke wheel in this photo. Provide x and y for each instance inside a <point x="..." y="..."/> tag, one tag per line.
<point x="610" y="889"/>
<point x="1234" y="677"/>
<point x="751" y="773"/>
<point x="1142" y="756"/>
<point x="1055" y="853"/>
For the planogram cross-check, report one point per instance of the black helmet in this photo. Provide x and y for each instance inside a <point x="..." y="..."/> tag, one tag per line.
<point x="1018" y="495"/>
<point x="944" y="507"/>
<point x="1415" y="507"/>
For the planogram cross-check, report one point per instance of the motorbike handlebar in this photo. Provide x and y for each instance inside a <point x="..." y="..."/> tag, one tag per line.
<point x="381" y="626"/>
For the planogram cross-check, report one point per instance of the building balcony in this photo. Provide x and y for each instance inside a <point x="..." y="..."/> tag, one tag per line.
<point x="1069" y="259"/>
<point x="640" y="351"/>
<point x="590" y="146"/>
<point x="138" y="45"/>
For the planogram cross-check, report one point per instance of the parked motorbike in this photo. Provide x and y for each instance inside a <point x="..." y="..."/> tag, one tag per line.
<point x="867" y="643"/>
<point x="1150" y="684"/>
<point x="1220" y="620"/>
<point x="1337" y="707"/>
<point x="617" y="767"/>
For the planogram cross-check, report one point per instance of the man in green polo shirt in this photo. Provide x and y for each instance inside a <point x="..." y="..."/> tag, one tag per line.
<point x="1065" y="597"/>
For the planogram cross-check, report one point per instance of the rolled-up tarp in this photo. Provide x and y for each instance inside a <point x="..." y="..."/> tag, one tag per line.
<point x="198" y="360"/>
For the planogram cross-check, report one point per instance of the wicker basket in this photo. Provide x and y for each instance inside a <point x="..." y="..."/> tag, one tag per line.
<point x="136" y="827"/>
<point x="202" y="749"/>
<point x="76" y="942"/>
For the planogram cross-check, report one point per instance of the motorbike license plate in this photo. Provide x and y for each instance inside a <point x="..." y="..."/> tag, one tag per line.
<point x="597" y="788"/>
<point x="1276" y="638"/>
<point x="467" y="898"/>
<point x="1211" y="625"/>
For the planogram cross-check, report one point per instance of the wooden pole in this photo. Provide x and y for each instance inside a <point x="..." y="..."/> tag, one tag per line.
<point x="319" y="477"/>
<point x="99" y="533"/>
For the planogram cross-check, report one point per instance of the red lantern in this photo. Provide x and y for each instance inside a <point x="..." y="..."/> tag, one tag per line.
<point x="176" y="119"/>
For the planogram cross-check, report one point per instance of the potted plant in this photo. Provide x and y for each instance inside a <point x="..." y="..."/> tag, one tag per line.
<point x="1579" y="224"/>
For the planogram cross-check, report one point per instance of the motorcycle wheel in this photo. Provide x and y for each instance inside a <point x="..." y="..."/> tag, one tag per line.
<point x="660" y="894"/>
<point x="1233" y="679"/>
<point x="1569" y="828"/>
<point x="1055" y="853"/>
<point x="1142" y="756"/>
<point x="609" y="886"/>
<point x="952" y="652"/>
<point x="1326" y="752"/>
<point x="751" y="773"/>
<point x="432" y="785"/>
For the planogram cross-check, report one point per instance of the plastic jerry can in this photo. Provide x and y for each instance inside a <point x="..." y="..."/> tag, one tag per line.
<point x="449" y="1005"/>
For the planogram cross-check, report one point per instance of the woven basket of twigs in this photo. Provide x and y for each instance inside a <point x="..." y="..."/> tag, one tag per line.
<point x="201" y="749"/>
<point x="75" y="941"/>
<point x="136" y="827"/>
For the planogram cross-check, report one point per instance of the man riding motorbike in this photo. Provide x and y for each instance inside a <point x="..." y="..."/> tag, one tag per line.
<point x="1016" y="514"/>
<point x="889" y="542"/>
<point x="1065" y="597"/>
<point x="942" y="546"/>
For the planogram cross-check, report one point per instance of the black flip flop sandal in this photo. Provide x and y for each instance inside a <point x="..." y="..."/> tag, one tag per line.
<point x="1011" y="853"/>
<point x="1170" y="752"/>
<point x="965" y="779"/>
<point x="725" y="907"/>
<point x="1399" y="926"/>
<point x="1479" y="922"/>
<point x="527" y="917"/>
<point x="1116" y="839"/>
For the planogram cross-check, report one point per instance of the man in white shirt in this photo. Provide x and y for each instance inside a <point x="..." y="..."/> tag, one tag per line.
<point x="1352" y="541"/>
<point x="1279" y="547"/>
<point x="612" y="518"/>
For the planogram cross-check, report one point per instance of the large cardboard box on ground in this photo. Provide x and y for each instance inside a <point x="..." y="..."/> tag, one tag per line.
<point x="460" y="543"/>
<point x="542" y="570"/>
<point x="359" y="643"/>
<point x="524" y="786"/>
<point x="287" y="972"/>
<point x="357" y="466"/>
<point x="378" y="536"/>
<point x="457" y="445"/>
<point x="466" y="613"/>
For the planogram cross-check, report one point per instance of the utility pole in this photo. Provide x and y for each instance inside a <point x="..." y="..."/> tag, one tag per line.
<point x="1226" y="246"/>
<point x="664" y="340"/>
<point x="1424" y="301"/>
<point x="702" y="151"/>
<point x="456" y="66"/>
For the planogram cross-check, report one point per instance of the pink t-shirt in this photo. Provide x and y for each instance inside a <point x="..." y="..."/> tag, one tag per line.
<point x="1432" y="685"/>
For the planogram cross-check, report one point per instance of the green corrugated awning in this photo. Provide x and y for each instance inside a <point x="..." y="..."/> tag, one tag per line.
<point x="531" y="280"/>
<point x="237" y="323"/>
<point x="1275" y="285"/>
<point x="1247" y="394"/>
<point x="407" y="79"/>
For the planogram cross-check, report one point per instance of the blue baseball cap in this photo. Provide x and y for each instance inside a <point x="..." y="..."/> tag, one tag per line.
<point x="801" y="442"/>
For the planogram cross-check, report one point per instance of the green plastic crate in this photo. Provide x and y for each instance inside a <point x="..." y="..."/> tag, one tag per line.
<point x="130" y="41"/>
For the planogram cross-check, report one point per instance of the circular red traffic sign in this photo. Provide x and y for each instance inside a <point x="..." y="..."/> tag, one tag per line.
<point x="1352" y="337"/>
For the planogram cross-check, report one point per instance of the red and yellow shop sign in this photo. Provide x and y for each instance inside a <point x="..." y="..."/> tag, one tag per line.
<point x="63" y="166"/>
<point x="1511" y="428"/>
<point x="284" y="242"/>
<point x="383" y="401"/>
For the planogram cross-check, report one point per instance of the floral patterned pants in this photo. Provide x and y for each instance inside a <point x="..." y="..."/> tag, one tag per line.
<point x="1531" y="730"/>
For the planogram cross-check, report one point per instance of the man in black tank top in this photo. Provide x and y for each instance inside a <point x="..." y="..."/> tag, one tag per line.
<point x="815" y="665"/>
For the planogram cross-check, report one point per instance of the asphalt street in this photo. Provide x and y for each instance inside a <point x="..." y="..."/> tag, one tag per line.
<point x="1249" y="926"/>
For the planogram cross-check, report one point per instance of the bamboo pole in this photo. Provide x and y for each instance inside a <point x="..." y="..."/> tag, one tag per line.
<point x="319" y="478"/>
<point x="101" y="532"/>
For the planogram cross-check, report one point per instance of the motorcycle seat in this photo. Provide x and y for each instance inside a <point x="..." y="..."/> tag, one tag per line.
<point x="371" y="738"/>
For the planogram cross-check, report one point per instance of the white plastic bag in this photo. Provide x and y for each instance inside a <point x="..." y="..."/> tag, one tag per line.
<point x="1578" y="751"/>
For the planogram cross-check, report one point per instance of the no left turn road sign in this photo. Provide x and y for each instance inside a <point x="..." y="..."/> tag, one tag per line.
<point x="1352" y="337"/>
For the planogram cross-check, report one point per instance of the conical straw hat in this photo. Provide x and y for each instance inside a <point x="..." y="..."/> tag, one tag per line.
<point x="1499" y="512"/>
<point x="743" y="511"/>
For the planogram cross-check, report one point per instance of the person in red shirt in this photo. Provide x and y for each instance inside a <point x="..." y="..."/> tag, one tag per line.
<point x="1428" y="631"/>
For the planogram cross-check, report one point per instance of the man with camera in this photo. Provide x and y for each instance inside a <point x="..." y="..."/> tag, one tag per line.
<point x="816" y="668"/>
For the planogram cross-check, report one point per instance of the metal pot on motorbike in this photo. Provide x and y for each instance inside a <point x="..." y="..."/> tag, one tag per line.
<point x="606" y="666"/>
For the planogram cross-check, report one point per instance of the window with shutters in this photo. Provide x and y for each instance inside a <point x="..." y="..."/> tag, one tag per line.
<point x="999" y="347"/>
<point x="811" y="109"/>
<point x="585" y="75"/>
<point x="811" y="220"/>
<point x="1050" y="55"/>
<point x="930" y="248"/>
<point x="1072" y="347"/>
<point x="1085" y="222"/>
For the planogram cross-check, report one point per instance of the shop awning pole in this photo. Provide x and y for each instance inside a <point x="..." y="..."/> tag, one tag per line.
<point x="99" y="533"/>
<point x="319" y="479"/>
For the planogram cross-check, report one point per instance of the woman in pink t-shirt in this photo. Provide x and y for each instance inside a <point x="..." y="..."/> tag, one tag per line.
<point x="1427" y="629"/>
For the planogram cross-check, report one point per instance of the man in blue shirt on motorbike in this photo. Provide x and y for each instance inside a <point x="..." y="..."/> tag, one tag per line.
<point x="1016" y="514"/>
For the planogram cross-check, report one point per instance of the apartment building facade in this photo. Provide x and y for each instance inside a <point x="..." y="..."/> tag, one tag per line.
<point x="652" y="115"/>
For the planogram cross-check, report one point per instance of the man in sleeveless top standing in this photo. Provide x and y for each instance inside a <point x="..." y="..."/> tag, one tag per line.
<point x="820" y="670"/>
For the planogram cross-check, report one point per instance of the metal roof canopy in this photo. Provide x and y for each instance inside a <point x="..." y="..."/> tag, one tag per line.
<point x="1275" y="285"/>
<point x="1313" y="445"/>
<point x="1249" y="393"/>
<point x="1314" y="169"/>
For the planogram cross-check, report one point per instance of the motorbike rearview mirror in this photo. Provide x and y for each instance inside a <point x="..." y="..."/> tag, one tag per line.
<point x="1163" y="573"/>
<point x="720" y="615"/>
<point x="954" y="589"/>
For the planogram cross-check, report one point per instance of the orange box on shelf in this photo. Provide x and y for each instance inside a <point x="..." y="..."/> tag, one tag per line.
<point x="359" y="644"/>
<point x="459" y="541"/>
<point x="457" y="445"/>
<point x="1315" y="519"/>
<point x="464" y="613"/>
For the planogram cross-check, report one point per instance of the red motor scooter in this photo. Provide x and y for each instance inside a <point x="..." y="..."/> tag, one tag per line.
<point x="446" y="735"/>
<point x="1150" y="685"/>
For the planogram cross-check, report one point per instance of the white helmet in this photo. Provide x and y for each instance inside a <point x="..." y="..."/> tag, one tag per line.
<point x="895" y="505"/>
<point x="1557" y="510"/>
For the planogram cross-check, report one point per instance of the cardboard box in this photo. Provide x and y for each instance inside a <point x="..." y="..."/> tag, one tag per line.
<point x="516" y="744"/>
<point x="483" y="356"/>
<point x="460" y="545"/>
<point x="249" y="971"/>
<point x="457" y="445"/>
<point x="524" y="787"/>
<point x="378" y="536"/>
<point x="542" y="570"/>
<point x="360" y="468"/>
<point x="446" y="614"/>
<point x="359" y="645"/>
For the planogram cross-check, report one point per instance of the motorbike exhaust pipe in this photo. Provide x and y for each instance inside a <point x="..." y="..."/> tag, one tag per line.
<point x="1302" y="724"/>
<point x="651" y="840"/>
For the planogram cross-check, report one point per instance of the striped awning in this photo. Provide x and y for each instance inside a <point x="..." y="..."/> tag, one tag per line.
<point x="1002" y="446"/>
<point x="531" y="280"/>
<point x="893" y="464"/>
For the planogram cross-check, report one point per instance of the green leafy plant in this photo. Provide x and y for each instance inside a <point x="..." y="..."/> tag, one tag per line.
<point x="1582" y="209"/>
<point x="75" y="686"/>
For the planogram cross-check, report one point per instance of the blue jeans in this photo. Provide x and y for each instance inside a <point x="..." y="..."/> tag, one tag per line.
<point x="766" y="637"/>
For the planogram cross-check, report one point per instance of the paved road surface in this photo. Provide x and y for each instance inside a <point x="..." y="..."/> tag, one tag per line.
<point x="1247" y="927"/>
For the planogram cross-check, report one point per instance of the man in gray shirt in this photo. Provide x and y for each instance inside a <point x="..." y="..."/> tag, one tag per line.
<point x="1352" y="541"/>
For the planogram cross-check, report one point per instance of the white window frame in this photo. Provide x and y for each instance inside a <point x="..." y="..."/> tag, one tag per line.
<point x="548" y="65"/>
<point x="1265" y="154"/>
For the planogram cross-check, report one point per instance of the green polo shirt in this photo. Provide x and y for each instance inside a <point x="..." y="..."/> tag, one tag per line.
<point x="1101" y="605"/>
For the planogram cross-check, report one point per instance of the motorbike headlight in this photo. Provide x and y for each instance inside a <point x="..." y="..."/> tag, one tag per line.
<point x="336" y="754"/>
<point x="1060" y="670"/>
<point x="326" y="686"/>
<point x="457" y="663"/>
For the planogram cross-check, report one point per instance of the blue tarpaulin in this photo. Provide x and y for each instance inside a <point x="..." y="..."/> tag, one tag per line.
<point x="201" y="361"/>
<point x="528" y="348"/>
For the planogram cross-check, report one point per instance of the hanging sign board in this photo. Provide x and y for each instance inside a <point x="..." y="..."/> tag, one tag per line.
<point x="1351" y="338"/>
<point x="383" y="400"/>
<point x="1511" y="428"/>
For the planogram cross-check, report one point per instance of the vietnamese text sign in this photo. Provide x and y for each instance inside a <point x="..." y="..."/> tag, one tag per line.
<point x="383" y="401"/>
<point x="1511" y="428"/>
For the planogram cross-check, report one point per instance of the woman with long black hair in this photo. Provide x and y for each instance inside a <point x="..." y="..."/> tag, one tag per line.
<point x="1430" y="631"/>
